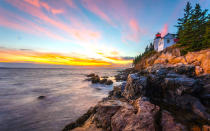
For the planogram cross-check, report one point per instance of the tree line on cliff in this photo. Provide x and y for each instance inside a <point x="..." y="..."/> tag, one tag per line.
<point x="193" y="32"/>
<point x="194" y="29"/>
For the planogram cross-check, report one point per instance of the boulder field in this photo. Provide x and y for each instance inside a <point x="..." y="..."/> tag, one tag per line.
<point x="162" y="98"/>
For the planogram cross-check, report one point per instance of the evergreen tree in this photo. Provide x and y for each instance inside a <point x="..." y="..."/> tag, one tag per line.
<point x="206" y="41"/>
<point x="183" y="22"/>
<point x="193" y="28"/>
<point x="199" y="20"/>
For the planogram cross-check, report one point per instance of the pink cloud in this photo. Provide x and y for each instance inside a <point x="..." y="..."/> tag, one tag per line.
<point x="81" y="33"/>
<point x="13" y="21"/>
<point x="70" y="3"/>
<point x="57" y="11"/>
<point x="33" y="2"/>
<point x="119" y="15"/>
<point x="39" y="4"/>
<point x="134" y="25"/>
<point x="46" y="6"/>
<point x="134" y="32"/>
<point x="94" y="7"/>
<point x="164" y="31"/>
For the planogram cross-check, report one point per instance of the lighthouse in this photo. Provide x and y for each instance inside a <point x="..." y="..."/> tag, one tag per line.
<point x="156" y="41"/>
<point x="161" y="43"/>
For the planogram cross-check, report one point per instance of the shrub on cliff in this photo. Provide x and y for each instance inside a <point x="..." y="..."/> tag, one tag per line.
<point x="194" y="29"/>
<point x="149" y="50"/>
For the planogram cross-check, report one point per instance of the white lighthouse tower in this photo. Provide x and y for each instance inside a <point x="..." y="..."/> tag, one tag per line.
<point x="156" y="41"/>
<point x="161" y="43"/>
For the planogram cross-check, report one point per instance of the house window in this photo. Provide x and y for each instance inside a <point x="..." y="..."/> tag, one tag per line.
<point x="168" y="41"/>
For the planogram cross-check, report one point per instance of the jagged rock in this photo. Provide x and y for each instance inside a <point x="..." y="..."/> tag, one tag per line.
<point x="205" y="95"/>
<point x="105" y="77"/>
<point x="91" y="75"/>
<point x="203" y="57"/>
<point x="135" y="105"/>
<point x="81" y="120"/>
<point x="117" y="90"/>
<point x="109" y="82"/>
<point x="188" y="70"/>
<point x="95" y="79"/>
<point x="169" y="57"/>
<point x="174" y="75"/>
<point x="134" y="86"/>
<point x="122" y="76"/>
<point x="41" y="97"/>
<point x="169" y="124"/>
<point x="181" y="85"/>
<point x="198" y="70"/>
<point x="189" y="102"/>
<point x="102" y="81"/>
<point x="127" y="119"/>
<point x="105" y="111"/>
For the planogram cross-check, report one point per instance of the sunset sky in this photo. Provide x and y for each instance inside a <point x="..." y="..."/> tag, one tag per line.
<point x="107" y="33"/>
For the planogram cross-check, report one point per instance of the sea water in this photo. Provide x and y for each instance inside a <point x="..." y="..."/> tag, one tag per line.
<point x="67" y="96"/>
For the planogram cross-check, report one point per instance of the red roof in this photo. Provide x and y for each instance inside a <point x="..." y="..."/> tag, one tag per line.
<point x="176" y="40"/>
<point x="158" y="35"/>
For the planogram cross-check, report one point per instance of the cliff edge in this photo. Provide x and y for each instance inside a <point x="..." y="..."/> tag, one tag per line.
<point x="164" y="92"/>
<point x="171" y="56"/>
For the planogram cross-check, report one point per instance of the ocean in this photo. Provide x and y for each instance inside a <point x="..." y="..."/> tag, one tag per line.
<point x="67" y="97"/>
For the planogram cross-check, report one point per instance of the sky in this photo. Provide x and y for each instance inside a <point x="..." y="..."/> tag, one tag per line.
<point x="98" y="33"/>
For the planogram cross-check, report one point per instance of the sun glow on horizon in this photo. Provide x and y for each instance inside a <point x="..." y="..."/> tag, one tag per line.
<point x="8" y="55"/>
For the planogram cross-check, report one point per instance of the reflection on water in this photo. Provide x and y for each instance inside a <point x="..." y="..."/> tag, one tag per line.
<point x="67" y="97"/>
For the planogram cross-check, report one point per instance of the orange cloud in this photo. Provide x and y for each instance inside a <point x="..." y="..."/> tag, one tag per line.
<point x="7" y="55"/>
<point x="28" y="56"/>
<point x="115" y="53"/>
<point x="116" y="59"/>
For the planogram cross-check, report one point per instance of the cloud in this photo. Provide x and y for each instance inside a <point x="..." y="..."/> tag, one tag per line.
<point x="13" y="21"/>
<point x="28" y="56"/>
<point x="70" y="3"/>
<point x="117" y="14"/>
<point x="81" y="33"/>
<point x="93" y="6"/>
<point x="12" y="55"/>
<point x="127" y="58"/>
<point x="38" y="3"/>
<point x="164" y="31"/>
<point x="134" y="25"/>
<point x="56" y="11"/>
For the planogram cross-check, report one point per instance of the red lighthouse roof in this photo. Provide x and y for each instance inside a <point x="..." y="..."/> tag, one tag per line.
<point x="158" y="35"/>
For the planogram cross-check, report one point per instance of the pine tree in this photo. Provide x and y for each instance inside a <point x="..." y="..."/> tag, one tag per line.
<point x="199" y="20"/>
<point x="185" y="21"/>
<point x="206" y="41"/>
<point x="193" y="30"/>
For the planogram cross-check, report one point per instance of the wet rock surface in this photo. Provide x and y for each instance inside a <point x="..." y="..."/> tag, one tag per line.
<point x="95" y="79"/>
<point x="168" y="98"/>
<point x="41" y="97"/>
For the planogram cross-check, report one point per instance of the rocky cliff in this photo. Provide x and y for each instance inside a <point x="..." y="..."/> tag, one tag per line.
<point x="172" y="56"/>
<point x="163" y="96"/>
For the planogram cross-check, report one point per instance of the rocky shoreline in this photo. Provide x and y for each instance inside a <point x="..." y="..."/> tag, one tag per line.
<point x="156" y="98"/>
<point x="164" y="92"/>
